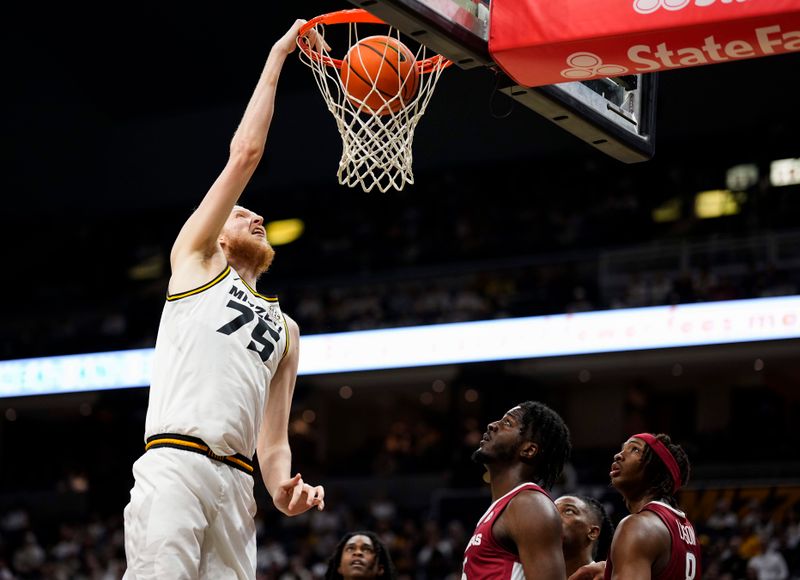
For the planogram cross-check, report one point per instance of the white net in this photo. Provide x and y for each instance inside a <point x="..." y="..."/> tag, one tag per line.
<point x="377" y="129"/>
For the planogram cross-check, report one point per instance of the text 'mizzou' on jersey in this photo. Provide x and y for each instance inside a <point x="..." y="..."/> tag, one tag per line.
<point x="218" y="348"/>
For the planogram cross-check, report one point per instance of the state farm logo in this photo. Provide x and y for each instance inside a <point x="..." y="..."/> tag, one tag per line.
<point x="765" y="40"/>
<point x="645" y="58"/>
<point x="649" y="6"/>
<point x="584" y="65"/>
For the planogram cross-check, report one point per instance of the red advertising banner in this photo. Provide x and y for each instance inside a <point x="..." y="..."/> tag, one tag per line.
<point x="539" y="42"/>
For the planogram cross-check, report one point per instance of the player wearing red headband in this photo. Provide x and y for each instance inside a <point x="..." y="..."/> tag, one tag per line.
<point x="656" y="541"/>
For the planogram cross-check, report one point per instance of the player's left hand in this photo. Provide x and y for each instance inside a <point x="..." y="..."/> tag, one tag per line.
<point x="295" y="497"/>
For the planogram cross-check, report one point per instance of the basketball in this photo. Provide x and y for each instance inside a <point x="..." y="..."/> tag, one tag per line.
<point x="380" y="74"/>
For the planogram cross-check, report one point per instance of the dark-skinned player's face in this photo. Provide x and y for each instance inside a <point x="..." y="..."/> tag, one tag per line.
<point x="502" y="439"/>
<point x="578" y="526"/>
<point x="360" y="559"/>
<point x="627" y="468"/>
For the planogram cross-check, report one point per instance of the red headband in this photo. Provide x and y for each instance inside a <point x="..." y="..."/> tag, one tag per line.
<point x="666" y="457"/>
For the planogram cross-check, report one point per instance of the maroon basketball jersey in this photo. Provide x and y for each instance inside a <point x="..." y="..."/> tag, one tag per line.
<point x="484" y="558"/>
<point x="684" y="560"/>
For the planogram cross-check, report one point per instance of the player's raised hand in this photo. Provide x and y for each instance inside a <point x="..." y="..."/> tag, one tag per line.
<point x="288" y="42"/>
<point x="295" y="497"/>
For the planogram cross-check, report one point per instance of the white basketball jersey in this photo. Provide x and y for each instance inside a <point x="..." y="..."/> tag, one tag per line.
<point x="217" y="349"/>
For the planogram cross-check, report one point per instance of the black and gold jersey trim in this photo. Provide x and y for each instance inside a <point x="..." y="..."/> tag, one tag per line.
<point x="197" y="445"/>
<point x="288" y="335"/>
<point x="217" y="280"/>
<point x="267" y="298"/>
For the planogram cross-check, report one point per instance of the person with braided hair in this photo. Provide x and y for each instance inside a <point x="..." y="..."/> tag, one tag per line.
<point x="587" y="530"/>
<point x="656" y="541"/>
<point x="360" y="554"/>
<point x="519" y="536"/>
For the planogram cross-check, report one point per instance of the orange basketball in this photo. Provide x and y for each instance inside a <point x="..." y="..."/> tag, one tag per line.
<point x="380" y="72"/>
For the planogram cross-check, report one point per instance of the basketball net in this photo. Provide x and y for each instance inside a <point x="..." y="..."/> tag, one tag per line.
<point x="376" y="148"/>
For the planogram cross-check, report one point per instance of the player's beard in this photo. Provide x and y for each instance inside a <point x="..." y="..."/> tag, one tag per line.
<point x="482" y="457"/>
<point x="245" y="249"/>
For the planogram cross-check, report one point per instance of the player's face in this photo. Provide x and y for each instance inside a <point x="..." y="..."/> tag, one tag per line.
<point x="245" y="239"/>
<point x="578" y="529"/>
<point x="628" y="466"/>
<point x="243" y="221"/>
<point x="359" y="559"/>
<point x="502" y="438"/>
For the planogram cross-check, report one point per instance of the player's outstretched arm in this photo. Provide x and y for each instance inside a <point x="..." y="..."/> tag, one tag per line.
<point x="291" y="495"/>
<point x="196" y="253"/>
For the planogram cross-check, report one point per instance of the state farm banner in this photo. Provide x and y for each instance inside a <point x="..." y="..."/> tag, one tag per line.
<point x="544" y="42"/>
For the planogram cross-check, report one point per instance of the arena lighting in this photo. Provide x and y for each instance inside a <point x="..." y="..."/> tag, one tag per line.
<point x="784" y="172"/>
<point x="741" y="177"/>
<point x="717" y="203"/>
<point x="669" y="211"/>
<point x="654" y="327"/>
<point x="282" y="232"/>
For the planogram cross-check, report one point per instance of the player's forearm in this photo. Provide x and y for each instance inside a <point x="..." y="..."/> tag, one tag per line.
<point x="249" y="140"/>
<point x="275" y="465"/>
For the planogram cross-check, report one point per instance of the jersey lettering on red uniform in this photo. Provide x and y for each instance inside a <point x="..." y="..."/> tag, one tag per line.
<point x="684" y="560"/>
<point x="485" y="558"/>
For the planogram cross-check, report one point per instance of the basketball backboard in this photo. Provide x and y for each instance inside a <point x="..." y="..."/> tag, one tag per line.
<point x="614" y="115"/>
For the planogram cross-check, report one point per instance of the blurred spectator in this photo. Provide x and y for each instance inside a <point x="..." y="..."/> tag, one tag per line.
<point x="723" y="521"/>
<point x="768" y="564"/>
<point x="29" y="558"/>
<point x="381" y="507"/>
